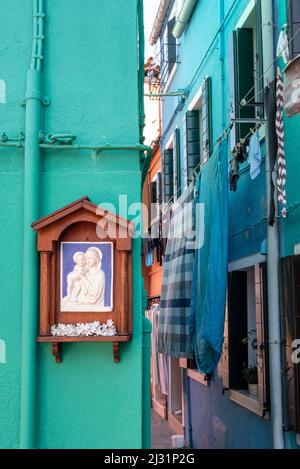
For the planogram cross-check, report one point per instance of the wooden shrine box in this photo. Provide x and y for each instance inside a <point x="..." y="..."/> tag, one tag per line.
<point x="85" y="273"/>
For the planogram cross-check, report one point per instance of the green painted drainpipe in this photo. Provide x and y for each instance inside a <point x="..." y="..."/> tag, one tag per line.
<point x="34" y="104"/>
<point x="146" y="377"/>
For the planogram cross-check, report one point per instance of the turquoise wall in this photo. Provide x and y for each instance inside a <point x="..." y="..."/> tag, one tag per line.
<point x="91" y="78"/>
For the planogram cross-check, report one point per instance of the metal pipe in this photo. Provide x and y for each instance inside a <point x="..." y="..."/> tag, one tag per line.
<point x="34" y="105"/>
<point x="182" y="94"/>
<point x="141" y="52"/>
<point x="183" y="17"/>
<point x="12" y="144"/>
<point x="273" y="255"/>
<point x="146" y="426"/>
<point x="103" y="147"/>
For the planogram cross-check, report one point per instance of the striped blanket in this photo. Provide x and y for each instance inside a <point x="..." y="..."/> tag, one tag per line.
<point x="173" y="328"/>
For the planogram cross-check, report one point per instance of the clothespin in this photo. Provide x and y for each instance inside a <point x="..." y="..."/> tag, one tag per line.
<point x="252" y="131"/>
<point x="268" y="82"/>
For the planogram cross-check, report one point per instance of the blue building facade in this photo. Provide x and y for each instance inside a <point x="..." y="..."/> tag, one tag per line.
<point x="215" y="62"/>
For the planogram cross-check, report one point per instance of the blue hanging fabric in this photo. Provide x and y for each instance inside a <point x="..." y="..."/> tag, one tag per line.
<point x="175" y="300"/>
<point x="209" y="284"/>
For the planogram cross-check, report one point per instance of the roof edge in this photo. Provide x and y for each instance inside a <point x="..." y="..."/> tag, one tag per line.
<point x="159" y="20"/>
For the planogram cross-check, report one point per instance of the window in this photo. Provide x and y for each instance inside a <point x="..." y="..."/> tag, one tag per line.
<point x="172" y="168"/>
<point x="291" y="283"/>
<point x="176" y="164"/>
<point x="198" y="130"/>
<point x="293" y="11"/>
<point x="169" y="51"/>
<point x="247" y="70"/>
<point x="168" y="174"/>
<point x="247" y="337"/>
<point x="155" y="196"/>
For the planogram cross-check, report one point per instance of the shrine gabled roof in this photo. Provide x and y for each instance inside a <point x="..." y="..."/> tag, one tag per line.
<point x="82" y="203"/>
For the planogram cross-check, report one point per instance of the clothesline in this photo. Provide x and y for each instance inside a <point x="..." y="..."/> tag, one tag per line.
<point x="256" y="82"/>
<point x="220" y="140"/>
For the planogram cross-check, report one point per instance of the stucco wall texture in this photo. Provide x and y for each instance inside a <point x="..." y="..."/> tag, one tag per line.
<point x="91" y="78"/>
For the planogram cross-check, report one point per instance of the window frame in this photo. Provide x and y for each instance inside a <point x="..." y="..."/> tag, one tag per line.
<point x="260" y="405"/>
<point x="289" y="8"/>
<point x="164" y="36"/>
<point x="253" y="8"/>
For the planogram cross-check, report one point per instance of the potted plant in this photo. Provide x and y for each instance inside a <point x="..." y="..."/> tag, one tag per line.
<point x="250" y="376"/>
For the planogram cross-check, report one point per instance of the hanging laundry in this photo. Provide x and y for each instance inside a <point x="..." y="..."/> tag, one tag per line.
<point x="254" y="156"/>
<point x="160" y="369"/>
<point x="174" y="334"/>
<point x="239" y="156"/>
<point x="233" y="174"/>
<point x="210" y="267"/>
<point x="281" y="176"/>
<point x="283" y="45"/>
<point x="270" y="106"/>
<point x="291" y="87"/>
<point x="149" y="258"/>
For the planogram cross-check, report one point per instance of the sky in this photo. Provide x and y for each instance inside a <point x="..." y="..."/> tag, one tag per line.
<point x="150" y="10"/>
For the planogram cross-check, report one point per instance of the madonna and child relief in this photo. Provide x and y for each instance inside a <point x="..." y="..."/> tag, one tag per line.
<point x="86" y="277"/>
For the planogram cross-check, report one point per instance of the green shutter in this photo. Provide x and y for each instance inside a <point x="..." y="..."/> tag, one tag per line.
<point x="192" y="142"/>
<point x="159" y="188"/>
<point x="293" y="15"/>
<point x="168" y="175"/>
<point x="259" y="59"/>
<point x="153" y="192"/>
<point x="176" y="164"/>
<point x="171" y="45"/>
<point x="206" y="116"/>
<point x="244" y="77"/>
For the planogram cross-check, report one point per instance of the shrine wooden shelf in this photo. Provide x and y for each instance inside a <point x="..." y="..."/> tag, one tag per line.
<point x="58" y="341"/>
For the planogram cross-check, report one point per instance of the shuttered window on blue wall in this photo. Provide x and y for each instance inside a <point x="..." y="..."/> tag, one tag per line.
<point x="176" y="164"/>
<point x="192" y="142"/>
<point x="244" y="76"/>
<point x="293" y="10"/>
<point x="206" y="118"/>
<point x="199" y="132"/>
<point x="168" y="174"/>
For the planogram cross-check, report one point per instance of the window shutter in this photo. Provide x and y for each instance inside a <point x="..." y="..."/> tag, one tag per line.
<point x="237" y="327"/>
<point x="206" y="131"/>
<point x="168" y="175"/>
<point x="262" y="321"/>
<point x="244" y="77"/>
<point x="171" y="45"/>
<point x="291" y="300"/>
<point x="259" y="59"/>
<point x="159" y="188"/>
<point x="153" y="192"/>
<point x="184" y="156"/>
<point x="293" y="11"/>
<point x="192" y="142"/>
<point x="176" y="164"/>
<point x="232" y="77"/>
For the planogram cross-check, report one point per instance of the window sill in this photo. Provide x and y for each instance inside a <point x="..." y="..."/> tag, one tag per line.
<point x="196" y="376"/>
<point x="249" y="402"/>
